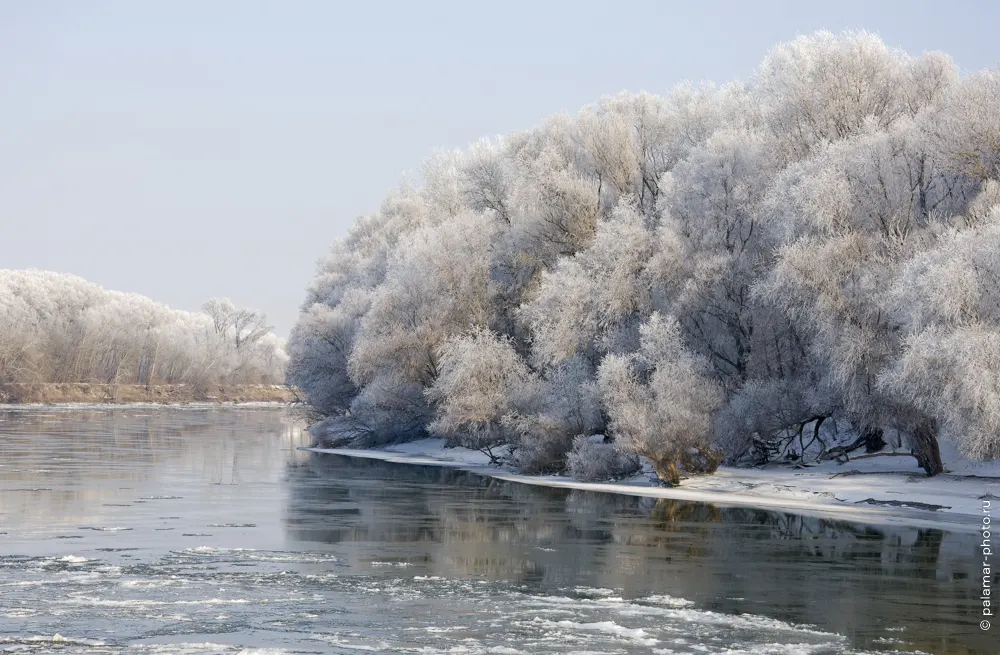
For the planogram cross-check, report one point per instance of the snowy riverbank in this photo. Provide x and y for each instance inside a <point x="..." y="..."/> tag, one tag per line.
<point x="879" y="490"/>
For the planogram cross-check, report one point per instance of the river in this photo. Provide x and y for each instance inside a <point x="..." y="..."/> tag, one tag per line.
<point x="205" y="530"/>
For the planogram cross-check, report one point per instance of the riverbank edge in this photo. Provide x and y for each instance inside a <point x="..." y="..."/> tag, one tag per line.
<point x="52" y="393"/>
<point x="820" y="494"/>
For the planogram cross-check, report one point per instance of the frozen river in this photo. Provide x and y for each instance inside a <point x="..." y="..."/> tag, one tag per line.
<point x="193" y="530"/>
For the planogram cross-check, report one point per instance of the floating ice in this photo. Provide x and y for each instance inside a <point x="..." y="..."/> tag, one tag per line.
<point x="73" y="559"/>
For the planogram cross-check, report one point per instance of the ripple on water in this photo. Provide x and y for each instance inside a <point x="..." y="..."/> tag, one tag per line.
<point x="232" y="525"/>
<point x="371" y="560"/>
<point x="416" y="613"/>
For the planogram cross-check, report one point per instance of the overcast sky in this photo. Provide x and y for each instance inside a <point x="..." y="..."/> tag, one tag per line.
<point x="185" y="150"/>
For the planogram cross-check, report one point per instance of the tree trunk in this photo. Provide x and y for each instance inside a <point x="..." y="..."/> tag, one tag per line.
<point x="870" y="438"/>
<point x="666" y="471"/>
<point x="874" y="439"/>
<point x="152" y="369"/>
<point x="924" y="446"/>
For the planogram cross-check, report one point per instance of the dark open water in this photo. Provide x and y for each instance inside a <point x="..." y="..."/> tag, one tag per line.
<point x="172" y="530"/>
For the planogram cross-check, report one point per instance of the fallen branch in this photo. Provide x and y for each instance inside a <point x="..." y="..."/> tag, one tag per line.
<point x="870" y="440"/>
<point x="857" y="472"/>
<point x="882" y="455"/>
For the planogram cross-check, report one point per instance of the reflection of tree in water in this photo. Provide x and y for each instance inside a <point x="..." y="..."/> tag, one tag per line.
<point x="844" y="576"/>
<point x="813" y="570"/>
<point x="136" y="434"/>
<point x="86" y="456"/>
<point x="668" y="512"/>
<point x="459" y="523"/>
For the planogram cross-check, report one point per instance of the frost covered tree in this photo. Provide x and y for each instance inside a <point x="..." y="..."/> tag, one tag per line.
<point x="592" y="460"/>
<point x="856" y="212"/>
<point x="482" y="386"/>
<point x="61" y="328"/>
<point x="660" y="401"/>
<point x="588" y="304"/>
<point x="712" y="204"/>
<point x="246" y="327"/>
<point x="948" y="298"/>
<point x="713" y="272"/>
<point x="437" y="285"/>
<point x="561" y="406"/>
<point x="320" y="347"/>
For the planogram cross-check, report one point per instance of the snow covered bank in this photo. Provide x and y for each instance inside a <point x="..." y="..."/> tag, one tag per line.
<point x="880" y="490"/>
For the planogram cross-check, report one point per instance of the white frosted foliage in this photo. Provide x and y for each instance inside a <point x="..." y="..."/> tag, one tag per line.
<point x="60" y="328"/>
<point x="709" y="273"/>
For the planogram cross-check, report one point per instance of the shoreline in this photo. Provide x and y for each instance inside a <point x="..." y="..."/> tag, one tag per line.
<point x="79" y="393"/>
<point x="834" y="492"/>
<point x="207" y="404"/>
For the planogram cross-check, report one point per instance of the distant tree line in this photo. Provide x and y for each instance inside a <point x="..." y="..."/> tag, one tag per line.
<point x="700" y="276"/>
<point x="61" y="328"/>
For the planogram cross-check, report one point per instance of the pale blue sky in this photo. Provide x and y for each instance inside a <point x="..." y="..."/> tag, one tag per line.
<point x="185" y="149"/>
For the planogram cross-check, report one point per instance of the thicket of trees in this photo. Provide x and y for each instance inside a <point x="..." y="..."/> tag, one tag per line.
<point x="700" y="276"/>
<point x="61" y="328"/>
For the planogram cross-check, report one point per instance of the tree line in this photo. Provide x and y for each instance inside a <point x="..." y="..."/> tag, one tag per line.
<point x="60" y="328"/>
<point x="701" y="276"/>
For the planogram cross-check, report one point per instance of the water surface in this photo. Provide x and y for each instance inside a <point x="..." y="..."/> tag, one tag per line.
<point x="194" y="530"/>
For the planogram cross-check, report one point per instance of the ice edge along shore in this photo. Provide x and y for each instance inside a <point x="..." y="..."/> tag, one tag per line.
<point x="821" y="491"/>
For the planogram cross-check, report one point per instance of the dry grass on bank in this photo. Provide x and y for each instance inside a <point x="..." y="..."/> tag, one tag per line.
<point x="57" y="393"/>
